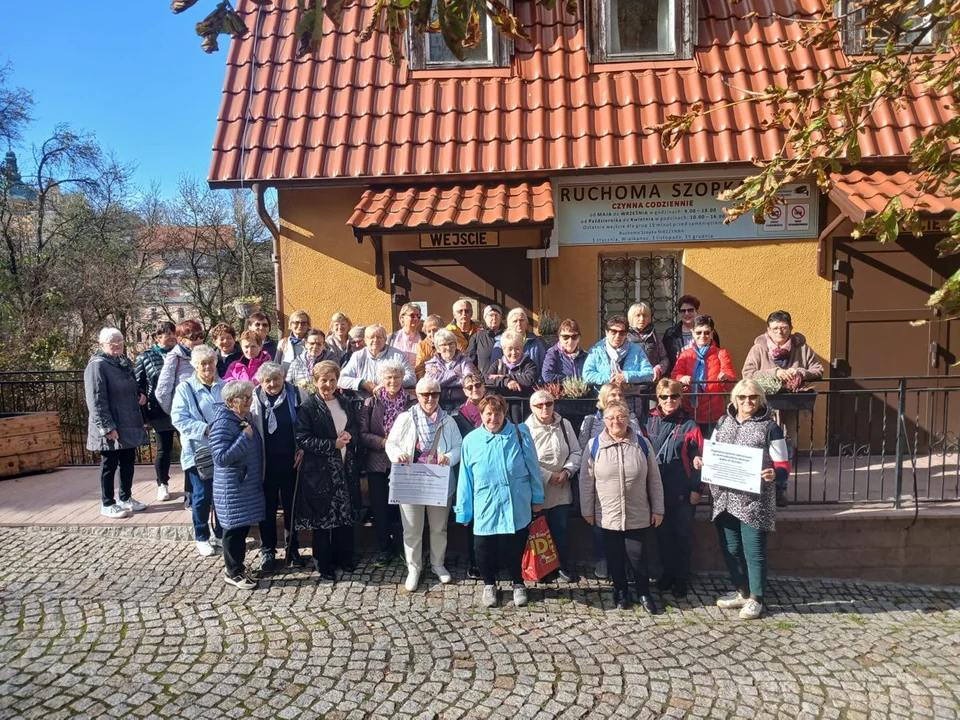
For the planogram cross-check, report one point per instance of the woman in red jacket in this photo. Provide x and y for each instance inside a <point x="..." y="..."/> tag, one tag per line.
<point x="705" y="368"/>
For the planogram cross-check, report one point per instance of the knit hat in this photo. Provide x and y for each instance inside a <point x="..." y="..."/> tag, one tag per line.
<point x="492" y="308"/>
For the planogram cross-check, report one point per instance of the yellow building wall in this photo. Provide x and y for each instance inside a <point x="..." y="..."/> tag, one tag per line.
<point x="324" y="269"/>
<point x="739" y="284"/>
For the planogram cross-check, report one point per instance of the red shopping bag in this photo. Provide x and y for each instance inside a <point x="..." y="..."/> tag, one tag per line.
<point x="540" y="558"/>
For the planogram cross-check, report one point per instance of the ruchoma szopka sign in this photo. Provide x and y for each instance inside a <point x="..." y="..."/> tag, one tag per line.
<point x="674" y="211"/>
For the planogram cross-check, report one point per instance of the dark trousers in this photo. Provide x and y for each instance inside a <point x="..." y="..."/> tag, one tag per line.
<point x="110" y="460"/>
<point x="507" y="548"/>
<point x="557" y="522"/>
<point x="279" y="482"/>
<point x="675" y="540"/>
<point x="201" y="505"/>
<point x="471" y="547"/>
<point x="386" y="517"/>
<point x="625" y="547"/>
<point x="596" y="533"/>
<point x="235" y="549"/>
<point x="161" y="462"/>
<point x="744" y="549"/>
<point x="333" y="547"/>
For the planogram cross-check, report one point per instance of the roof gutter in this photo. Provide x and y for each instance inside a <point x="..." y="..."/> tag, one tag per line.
<point x="259" y="191"/>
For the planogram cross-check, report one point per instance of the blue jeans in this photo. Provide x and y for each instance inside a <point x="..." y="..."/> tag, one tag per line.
<point x="202" y="504"/>
<point x="599" y="549"/>
<point x="557" y="522"/>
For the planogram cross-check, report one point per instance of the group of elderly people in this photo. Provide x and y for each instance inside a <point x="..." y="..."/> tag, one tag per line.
<point x="266" y="424"/>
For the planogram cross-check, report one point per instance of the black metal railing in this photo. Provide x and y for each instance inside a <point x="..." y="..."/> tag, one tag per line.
<point x="859" y="440"/>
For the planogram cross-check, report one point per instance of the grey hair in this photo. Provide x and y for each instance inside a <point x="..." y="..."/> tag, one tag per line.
<point x="444" y="336"/>
<point x="377" y="329"/>
<point x="269" y="370"/>
<point x="511" y="337"/>
<point x="540" y="396"/>
<point x="107" y="334"/>
<point x="428" y="384"/>
<point x="517" y="311"/>
<point x="200" y="354"/>
<point x="617" y="406"/>
<point x="340" y="317"/>
<point x="392" y="368"/>
<point x="236" y="389"/>
<point x="356" y="332"/>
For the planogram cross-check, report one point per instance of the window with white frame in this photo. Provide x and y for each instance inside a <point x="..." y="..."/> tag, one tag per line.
<point x="429" y="51"/>
<point x="626" y="30"/>
<point x="653" y="278"/>
<point x="909" y="28"/>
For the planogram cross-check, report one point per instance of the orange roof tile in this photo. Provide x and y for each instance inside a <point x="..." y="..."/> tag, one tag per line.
<point x="859" y="194"/>
<point x="489" y="205"/>
<point x="347" y="114"/>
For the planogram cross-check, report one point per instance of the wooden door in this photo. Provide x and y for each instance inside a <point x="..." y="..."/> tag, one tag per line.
<point x="500" y="276"/>
<point x="879" y="290"/>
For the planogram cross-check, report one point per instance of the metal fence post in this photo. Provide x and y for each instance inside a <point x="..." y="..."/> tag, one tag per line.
<point x="901" y="438"/>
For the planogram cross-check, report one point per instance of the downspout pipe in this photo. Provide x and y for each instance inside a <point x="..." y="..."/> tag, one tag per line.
<point x="260" y="190"/>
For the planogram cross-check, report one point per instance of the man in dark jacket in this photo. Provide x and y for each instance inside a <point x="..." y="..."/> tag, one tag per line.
<point x="680" y="336"/>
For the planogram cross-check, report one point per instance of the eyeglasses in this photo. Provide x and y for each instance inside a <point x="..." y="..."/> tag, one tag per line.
<point x="614" y="331"/>
<point x="299" y="322"/>
<point x="540" y="406"/>
<point x="674" y="396"/>
<point x="687" y="311"/>
<point x="750" y="398"/>
<point x="616" y="418"/>
<point x="779" y="328"/>
<point x="429" y="395"/>
<point x="473" y="386"/>
<point x="569" y="337"/>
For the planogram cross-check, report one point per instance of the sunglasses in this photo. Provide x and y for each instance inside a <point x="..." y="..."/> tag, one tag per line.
<point x="299" y="322"/>
<point x="195" y="336"/>
<point x="687" y="311"/>
<point x="429" y="395"/>
<point x="414" y="315"/>
<point x="569" y="337"/>
<point x="674" y="396"/>
<point x="751" y="398"/>
<point x="473" y="386"/>
<point x="617" y="332"/>
<point x="542" y="405"/>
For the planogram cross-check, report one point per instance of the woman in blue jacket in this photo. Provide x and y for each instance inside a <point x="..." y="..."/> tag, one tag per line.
<point x="566" y="358"/>
<point x="615" y="359"/>
<point x="499" y="490"/>
<point x="237" y="476"/>
<point x="194" y="407"/>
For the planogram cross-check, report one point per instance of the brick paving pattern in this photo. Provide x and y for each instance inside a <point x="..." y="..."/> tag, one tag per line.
<point x="94" y="626"/>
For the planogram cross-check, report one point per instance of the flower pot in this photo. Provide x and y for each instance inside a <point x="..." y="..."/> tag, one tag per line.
<point x="245" y="308"/>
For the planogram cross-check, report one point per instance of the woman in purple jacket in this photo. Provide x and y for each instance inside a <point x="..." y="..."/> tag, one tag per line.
<point x="566" y="358"/>
<point x="448" y="366"/>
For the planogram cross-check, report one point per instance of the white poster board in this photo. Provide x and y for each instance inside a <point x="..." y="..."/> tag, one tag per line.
<point x="732" y="466"/>
<point x="419" y="484"/>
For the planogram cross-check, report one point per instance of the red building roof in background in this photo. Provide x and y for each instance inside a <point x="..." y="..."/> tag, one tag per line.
<point x="347" y="113"/>
<point x="860" y="195"/>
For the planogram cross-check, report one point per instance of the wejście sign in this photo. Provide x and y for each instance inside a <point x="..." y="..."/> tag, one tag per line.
<point x="674" y="211"/>
<point x="460" y="240"/>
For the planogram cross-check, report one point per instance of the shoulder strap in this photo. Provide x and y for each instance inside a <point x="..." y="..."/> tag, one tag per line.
<point x="519" y="436"/>
<point x="196" y="400"/>
<point x="642" y="443"/>
<point x="594" y="447"/>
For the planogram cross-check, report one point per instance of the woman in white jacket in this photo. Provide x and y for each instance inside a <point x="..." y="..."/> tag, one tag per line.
<point x="559" y="452"/>
<point x="425" y="434"/>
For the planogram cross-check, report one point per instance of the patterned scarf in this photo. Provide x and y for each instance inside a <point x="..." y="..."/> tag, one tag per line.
<point x="392" y="408"/>
<point x="617" y="356"/>
<point x="700" y="371"/>
<point x="426" y="431"/>
<point x="780" y="354"/>
<point x="269" y="408"/>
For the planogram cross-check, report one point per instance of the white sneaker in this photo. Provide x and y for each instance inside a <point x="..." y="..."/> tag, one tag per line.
<point x="133" y="505"/>
<point x="413" y="580"/>
<point x="489" y="597"/>
<point x="519" y="595"/>
<point x="115" y="512"/>
<point x="442" y="573"/>
<point x="752" y="610"/>
<point x="215" y="541"/>
<point x="163" y="493"/>
<point x="732" y="601"/>
<point x="205" y="548"/>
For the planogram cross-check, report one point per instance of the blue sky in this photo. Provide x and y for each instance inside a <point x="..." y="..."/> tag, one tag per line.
<point x="129" y="71"/>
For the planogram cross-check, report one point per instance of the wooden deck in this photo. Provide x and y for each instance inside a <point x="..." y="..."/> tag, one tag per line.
<point x="70" y="496"/>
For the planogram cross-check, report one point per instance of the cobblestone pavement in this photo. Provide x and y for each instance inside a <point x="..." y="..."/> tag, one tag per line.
<point x="122" y="627"/>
